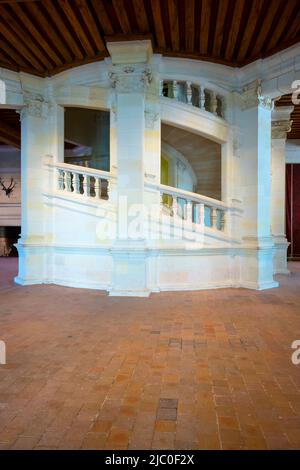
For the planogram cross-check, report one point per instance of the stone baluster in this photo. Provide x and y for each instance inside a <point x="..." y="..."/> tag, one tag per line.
<point x="109" y="189"/>
<point x="76" y="183"/>
<point x="161" y="87"/>
<point x="223" y="220"/>
<point x="213" y="103"/>
<point x="214" y="218"/>
<point x="175" y="90"/>
<point x="69" y="181"/>
<point x="189" y="92"/>
<point x="174" y="206"/>
<point x="223" y="107"/>
<point x="98" y="188"/>
<point x="189" y="212"/>
<point x="202" y="214"/>
<point x="86" y="185"/>
<point x="61" y="180"/>
<point x="201" y="97"/>
<point x="162" y="201"/>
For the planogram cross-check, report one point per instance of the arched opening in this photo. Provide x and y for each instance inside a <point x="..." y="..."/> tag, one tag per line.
<point x="86" y="139"/>
<point x="190" y="162"/>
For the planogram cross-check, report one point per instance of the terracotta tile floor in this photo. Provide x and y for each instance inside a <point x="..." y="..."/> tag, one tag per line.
<point x="208" y="370"/>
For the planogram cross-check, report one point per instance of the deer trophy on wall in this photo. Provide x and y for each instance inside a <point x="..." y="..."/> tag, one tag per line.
<point x="8" y="189"/>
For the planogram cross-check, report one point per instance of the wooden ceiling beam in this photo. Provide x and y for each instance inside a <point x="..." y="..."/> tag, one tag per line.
<point x="39" y="38"/>
<point x="265" y="30"/>
<point x="220" y="25"/>
<point x="256" y="8"/>
<point x="235" y="28"/>
<point x="8" y="140"/>
<point x="292" y="26"/>
<point x="55" y="39"/>
<point x="204" y="27"/>
<point x="121" y="14"/>
<point x="19" y="29"/>
<point x="283" y="21"/>
<point x="103" y="17"/>
<point x="141" y="17"/>
<point x="56" y="17"/>
<point x="91" y="25"/>
<point x="74" y="21"/>
<point x="20" y="46"/>
<point x="158" y="24"/>
<point x="189" y="25"/>
<point x="16" y="58"/>
<point x="9" y="134"/>
<point x="174" y="24"/>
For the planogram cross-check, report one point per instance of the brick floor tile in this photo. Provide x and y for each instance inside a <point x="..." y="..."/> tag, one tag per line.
<point x="207" y="369"/>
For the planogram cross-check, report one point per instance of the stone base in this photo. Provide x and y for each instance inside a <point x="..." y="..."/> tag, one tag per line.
<point x="138" y="272"/>
<point x="280" y="255"/>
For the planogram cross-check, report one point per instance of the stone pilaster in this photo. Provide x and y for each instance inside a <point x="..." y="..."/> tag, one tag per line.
<point x="35" y="144"/>
<point x="281" y="125"/>
<point x="255" y="124"/>
<point x="130" y="76"/>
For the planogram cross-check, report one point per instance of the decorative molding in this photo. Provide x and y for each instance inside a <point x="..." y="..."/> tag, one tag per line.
<point x="130" y="78"/>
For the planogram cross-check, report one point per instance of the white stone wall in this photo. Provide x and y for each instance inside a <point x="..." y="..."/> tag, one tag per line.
<point x="60" y="234"/>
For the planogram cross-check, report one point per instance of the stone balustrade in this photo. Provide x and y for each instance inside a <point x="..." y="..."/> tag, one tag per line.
<point x="81" y="181"/>
<point x="193" y="208"/>
<point x="194" y="94"/>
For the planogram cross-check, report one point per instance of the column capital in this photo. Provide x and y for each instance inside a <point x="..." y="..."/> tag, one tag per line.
<point x="280" y="128"/>
<point x="281" y="123"/>
<point x="130" y="78"/>
<point x="36" y="105"/>
<point x="252" y="97"/>
<point x="130" y="69"/>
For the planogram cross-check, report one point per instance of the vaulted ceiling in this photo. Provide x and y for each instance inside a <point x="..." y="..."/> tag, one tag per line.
<point x="44" y="37"/>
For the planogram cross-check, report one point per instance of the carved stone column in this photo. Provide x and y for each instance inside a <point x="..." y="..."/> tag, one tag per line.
<point x="35" y="144"/>
<point x="255" y="150"/>
<point x="281" y="125"/>
<point x="130" y="76"/>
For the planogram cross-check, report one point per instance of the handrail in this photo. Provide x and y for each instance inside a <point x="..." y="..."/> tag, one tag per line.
<point x="197" y="198"/>
<point x="84" y="170"/>
<point x="81" y="181"/>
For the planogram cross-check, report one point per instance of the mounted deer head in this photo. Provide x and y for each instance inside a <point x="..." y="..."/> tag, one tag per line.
<point x="8" y="189"/>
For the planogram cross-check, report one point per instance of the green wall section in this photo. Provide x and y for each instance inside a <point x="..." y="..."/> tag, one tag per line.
<point x="164" y="178"/>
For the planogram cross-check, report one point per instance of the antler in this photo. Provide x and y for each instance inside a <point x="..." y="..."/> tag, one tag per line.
<point x="3" y="187"/>
<point x="11" y="185"/>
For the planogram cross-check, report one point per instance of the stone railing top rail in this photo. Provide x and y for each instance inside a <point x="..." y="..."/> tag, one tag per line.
<point x="83" y="170"/>
<point x="198" y="198"/>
